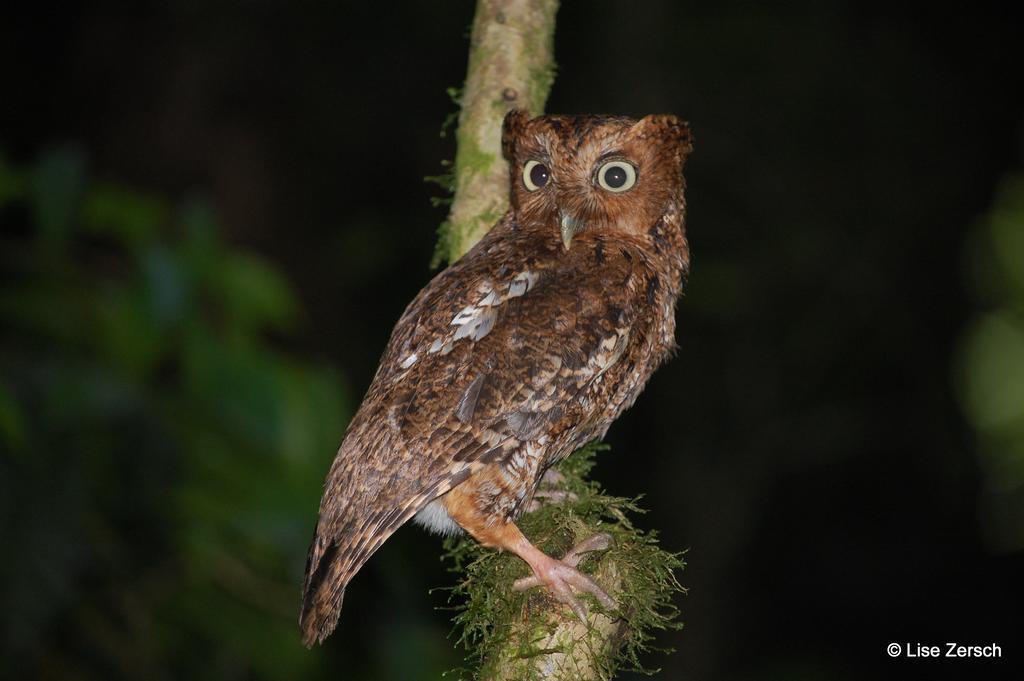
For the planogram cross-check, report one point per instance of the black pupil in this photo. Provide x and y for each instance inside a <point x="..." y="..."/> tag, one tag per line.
<point x="539" y="175"/>
<point x="615" y="177"/>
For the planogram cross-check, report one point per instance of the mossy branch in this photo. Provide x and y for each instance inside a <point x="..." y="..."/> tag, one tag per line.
<point x="519" y="636"/>
<point x="527" y="636"/>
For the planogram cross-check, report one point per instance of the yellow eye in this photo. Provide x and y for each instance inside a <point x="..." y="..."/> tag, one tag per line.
<point x="616" y="176"/>
<point x="535" y="175"/>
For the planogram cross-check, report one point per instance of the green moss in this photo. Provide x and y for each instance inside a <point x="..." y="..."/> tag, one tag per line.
<point x="540" y="82"/>
<point x="442" y="248"/>
<point x="470" y="158"/>
<point x="450" y="121"/>
<point x="454" y="239"/>
<point x="503" y="629"/>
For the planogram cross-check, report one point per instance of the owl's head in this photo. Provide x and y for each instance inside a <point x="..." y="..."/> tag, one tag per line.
<point x="583" y="173"/>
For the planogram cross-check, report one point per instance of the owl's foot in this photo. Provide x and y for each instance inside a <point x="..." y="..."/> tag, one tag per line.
<point x="552" y="478"/>
<point x="552" y="496"/>
<point x="560" y="576"/>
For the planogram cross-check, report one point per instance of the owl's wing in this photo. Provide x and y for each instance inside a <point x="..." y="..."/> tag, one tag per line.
<point x="489" y="356"/>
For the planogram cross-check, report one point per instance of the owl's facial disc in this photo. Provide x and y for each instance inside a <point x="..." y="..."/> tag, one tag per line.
<point x="578" y="176"/>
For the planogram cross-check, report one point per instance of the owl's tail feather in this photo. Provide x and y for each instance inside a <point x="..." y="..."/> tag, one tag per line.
<point x="332" y="564"/>
<point x="322" y="596"/>
<point x="330" y="567"/>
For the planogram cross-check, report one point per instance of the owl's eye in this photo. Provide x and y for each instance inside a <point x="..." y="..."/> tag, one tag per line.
<point x="616" y="176"/>
<point x="535" y="175"/>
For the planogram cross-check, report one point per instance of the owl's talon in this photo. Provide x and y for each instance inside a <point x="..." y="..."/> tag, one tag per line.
<point x="560" y="575"/>
<point x="578" y="608"/>
<point x="555" y="495"/>
<point x="599" y="542"/>
<point x="526" y="583"/>
<point x="552" y="477"/>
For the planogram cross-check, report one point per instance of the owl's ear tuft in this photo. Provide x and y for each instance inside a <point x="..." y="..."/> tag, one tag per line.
<point x="668" y="129"/>
<point x="511" y="128"/>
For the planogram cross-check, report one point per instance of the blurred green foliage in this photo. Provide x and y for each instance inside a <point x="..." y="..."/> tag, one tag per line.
<point x="991" y="366"/>
<point x="161" y="455"/>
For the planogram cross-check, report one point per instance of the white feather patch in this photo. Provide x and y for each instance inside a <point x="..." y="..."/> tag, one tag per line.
<point x="522" y="283"/>
<point x="476" y="321"/>
<point x="435" y="518"/>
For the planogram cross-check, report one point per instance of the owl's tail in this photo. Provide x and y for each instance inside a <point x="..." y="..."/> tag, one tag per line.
<point x="330" y="567"/>
<point x="334" y="560"/>
<point x="323" y="593"/>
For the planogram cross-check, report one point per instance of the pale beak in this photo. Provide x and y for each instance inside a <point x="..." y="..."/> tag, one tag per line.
<point x="570" y="227"/>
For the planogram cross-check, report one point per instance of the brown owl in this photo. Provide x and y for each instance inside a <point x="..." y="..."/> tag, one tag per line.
<point x="526" y="348"/>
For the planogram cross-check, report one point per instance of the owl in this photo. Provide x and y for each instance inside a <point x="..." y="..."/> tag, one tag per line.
<point x="523" y="350"/>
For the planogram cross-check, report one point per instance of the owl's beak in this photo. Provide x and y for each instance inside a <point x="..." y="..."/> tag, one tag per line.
<point x="570" y="227"/>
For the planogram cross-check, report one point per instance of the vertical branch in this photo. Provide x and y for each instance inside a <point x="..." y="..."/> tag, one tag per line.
<point x="511" y="65"/>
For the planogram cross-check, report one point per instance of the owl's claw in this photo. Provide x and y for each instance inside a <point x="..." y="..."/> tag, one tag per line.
<point x="552" y="478"/>
<point x="553" y="496"/>
<point x="560" y="575"/>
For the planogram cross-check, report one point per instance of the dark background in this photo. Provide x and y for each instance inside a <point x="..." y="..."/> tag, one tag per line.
<point x="213" y="213"/>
